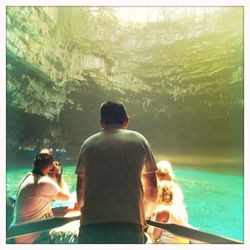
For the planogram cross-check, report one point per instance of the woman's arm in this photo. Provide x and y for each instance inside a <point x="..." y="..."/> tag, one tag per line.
<point x="161" y="216"/>
<point x="63" y="194"/>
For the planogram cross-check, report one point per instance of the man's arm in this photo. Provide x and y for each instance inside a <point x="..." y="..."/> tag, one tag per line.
<point x="80" y="189"/>
<point x="150" y="192"/>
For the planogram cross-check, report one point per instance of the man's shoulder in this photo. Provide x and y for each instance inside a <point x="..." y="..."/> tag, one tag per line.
<point x="93" y="137"/>
<point x="135" y="134"/>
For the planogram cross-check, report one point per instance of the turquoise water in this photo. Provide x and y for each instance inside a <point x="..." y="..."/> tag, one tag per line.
<point x="215" y="201"/>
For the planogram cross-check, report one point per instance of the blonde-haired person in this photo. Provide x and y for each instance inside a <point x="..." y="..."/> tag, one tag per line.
<point x="165" y="173"/>
<point x="167" y="211"/>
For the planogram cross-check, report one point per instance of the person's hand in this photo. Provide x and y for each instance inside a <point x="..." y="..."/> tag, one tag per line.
<point x="76" y="208"/>
<point x="55" y="171"/>
<point x="148" y="215"/>
<point x="149" y="210"/>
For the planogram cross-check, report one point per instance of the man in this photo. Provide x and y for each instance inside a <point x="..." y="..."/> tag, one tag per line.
<point x="35" y="195"/>
<point x="109" y="187"/>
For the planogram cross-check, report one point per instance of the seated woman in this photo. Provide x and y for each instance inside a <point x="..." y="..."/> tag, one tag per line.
<point x="168" y="212"/>
<point x="35" y="195"/>
<point x="165" y="173"/>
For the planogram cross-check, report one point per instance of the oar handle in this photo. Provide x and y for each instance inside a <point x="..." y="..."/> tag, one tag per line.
<point x="193" y="234"/>
<point x="37" y="226"/>
<point x="182" y="231"/>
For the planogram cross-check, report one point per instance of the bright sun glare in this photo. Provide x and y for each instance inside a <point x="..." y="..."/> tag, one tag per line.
<point x="152" y="14"/>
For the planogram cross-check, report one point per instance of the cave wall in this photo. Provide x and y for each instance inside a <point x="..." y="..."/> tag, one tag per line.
<point x="181" y="79"/>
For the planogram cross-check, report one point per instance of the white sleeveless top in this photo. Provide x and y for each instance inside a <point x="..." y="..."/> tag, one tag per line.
<point x="177" y="215"/>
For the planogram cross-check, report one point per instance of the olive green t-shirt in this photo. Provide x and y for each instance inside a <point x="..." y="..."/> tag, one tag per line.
<point x="112" y="162"/>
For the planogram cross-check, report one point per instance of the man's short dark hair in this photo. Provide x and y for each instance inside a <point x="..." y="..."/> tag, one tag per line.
<point x="113" y="112"/>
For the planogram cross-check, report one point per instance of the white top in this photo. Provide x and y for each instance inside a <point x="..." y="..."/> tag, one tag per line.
<point x="34" y="202"/>
<point x="177" y="215"/>
<point x="177" y="194"/>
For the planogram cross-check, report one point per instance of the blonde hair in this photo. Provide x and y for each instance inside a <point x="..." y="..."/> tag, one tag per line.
<point x="165" y="168"/>
<point x="165" y="193"/>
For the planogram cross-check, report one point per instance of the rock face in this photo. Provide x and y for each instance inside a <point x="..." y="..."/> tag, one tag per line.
<point x="180" y="78"/>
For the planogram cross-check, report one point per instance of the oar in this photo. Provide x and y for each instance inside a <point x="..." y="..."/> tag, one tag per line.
<point x="185" y="232"/>
<point x="193" y="234"/>
<point x="36" y="226"/>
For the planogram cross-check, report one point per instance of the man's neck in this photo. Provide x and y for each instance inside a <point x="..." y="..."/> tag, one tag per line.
<point x="114" y="125"/>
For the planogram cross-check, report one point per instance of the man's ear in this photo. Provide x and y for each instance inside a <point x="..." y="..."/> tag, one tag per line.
<point x="125" y="123"/>
<point x="103" y="125"/>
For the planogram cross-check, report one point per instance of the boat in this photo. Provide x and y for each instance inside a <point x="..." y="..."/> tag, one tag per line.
<point x="65" y="225"/>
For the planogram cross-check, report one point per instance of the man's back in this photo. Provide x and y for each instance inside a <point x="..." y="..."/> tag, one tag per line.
<point x="109" y="186"/>
<point x="113" y="160"/>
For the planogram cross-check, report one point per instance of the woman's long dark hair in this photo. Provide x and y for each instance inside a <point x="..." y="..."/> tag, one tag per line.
<point x="43" y="159"/>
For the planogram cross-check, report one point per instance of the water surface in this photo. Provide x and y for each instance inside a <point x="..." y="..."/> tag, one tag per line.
<point x="215" y="201"/>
